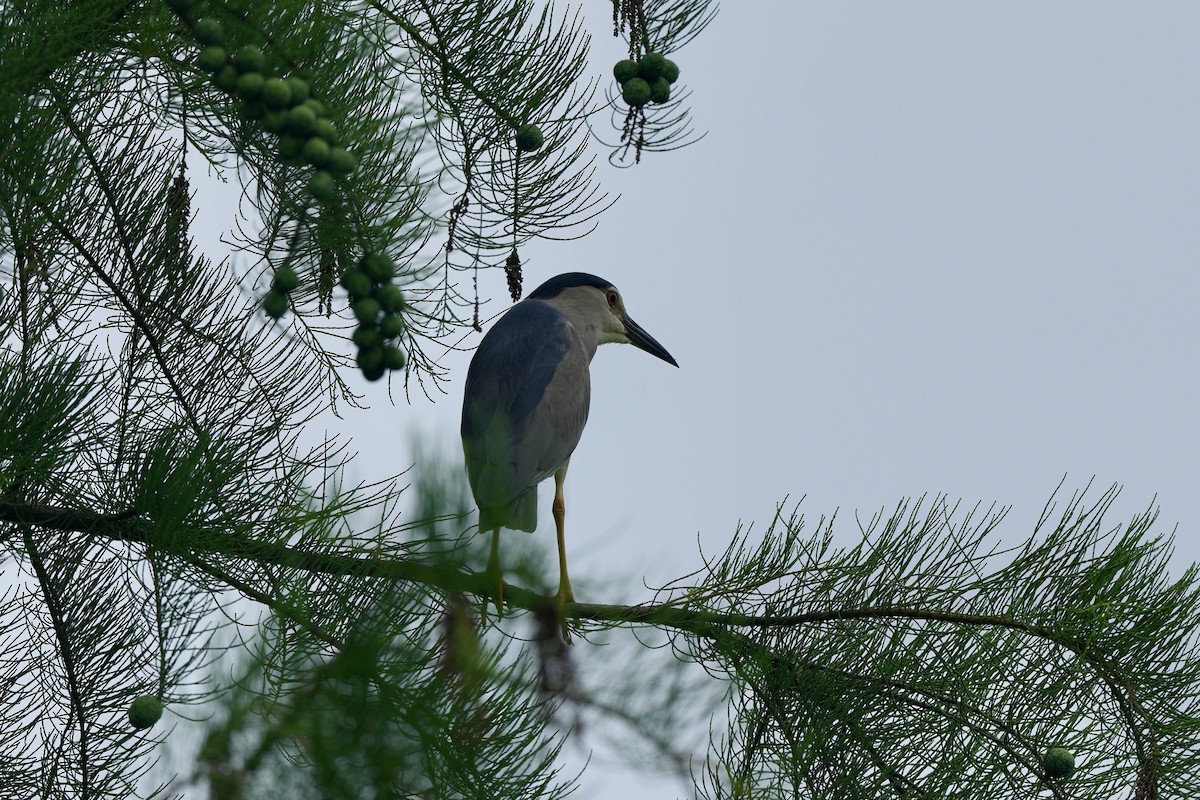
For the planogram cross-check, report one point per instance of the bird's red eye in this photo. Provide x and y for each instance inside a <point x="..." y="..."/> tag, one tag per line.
<point x="612" y="299"/>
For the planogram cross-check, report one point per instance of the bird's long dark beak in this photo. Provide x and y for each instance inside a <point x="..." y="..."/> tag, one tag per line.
<point x="639" y="338"/>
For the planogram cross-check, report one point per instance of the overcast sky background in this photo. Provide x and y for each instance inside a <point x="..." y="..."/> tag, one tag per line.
<point x="926" y="247"/>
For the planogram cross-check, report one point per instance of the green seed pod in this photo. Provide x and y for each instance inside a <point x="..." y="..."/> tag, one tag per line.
<point x="250" y="85"/>
<point x="212" y="58"/>
<point x="299" y="89"/>
<point x="249" y="58"/>
<point x="378" y="267"/>
<point x="671" y="71"/>
<point x="317" y="107"/>
<point x="390" y="298"/>
<point x="366" y="337"/>
<point x="356" y="282"/>
<point x="660" y="90"/>
<point x="285" y="280"/>
<point x="326" y="130"/>
<point x="1058" y="762"/>
<point x="275" y="121"/>
<point x="366" y="310"/>
<point x="342" y="161"/>
<point x="208" y="31"/>
<point x="226" y="79"/>
<point x="276" y="93"/>
<point x="529" y="138"/>
<point x="301" y="120"/>
<point x="625" y="69"/>
<point x="289" y="147"/>
<point x="393" y="357"/>
<point x="275" y="304"/>
<point x="636" y="92"/>
<point x="316" y="151"/>
<point x="321" y="186"/>
<point x="144" y="711"/>
<point x="370" y="361"/>
<point x="651" y="66"/>
<point x="391" y="326"/>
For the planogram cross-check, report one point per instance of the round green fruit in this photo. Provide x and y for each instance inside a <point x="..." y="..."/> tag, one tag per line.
<point x="321" y="186"/>
<point x="636" y="92"/>
<point x="250" y="59"/>
<point x="390" y="297"/>
<point x="391" y="326"/>
<point x="671" y="71"/>
<point x="274" y="121"/>
<point x="275" y="304"/>
<point x="378" y="267"/>
<point x="250" y="85"/>
<point x="660" y="90"/>
<point x="529" y="138"/>
<point x="227" y="78"/>
<point x="625" y="69"/>
<point x="212" y="58"/>
<point x="651" y="66"/>
<point x="356" y="282"/>
<point x="299" y="89"/>
<point x="342" y="161"/>
<point x="393" y="357"/>
<point x="208" y="31"/>
<point x="366" y="337"/>
<point x="276" y="93"/>
<point x="301" y="120"/>
<point x="1058" y="762"/>
<point x="370" y="361"/>
<point x="289" y="147"/>
<point x="144" y="711"/>
<point x="326" y="130"/>
<point x="317" y="107"/>
<point x="316" y="151"/>
<point x="367" y="310"/>
<point x="286" y="280"/>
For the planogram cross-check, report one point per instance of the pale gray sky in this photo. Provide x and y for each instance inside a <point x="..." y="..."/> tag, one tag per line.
<point x="926" y="247"/>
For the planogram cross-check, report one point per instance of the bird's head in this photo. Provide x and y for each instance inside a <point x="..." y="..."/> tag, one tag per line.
<point x="596" y="309"/>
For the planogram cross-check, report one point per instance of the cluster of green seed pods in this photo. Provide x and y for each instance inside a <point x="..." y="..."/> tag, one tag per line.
<point x="647" y="80"/>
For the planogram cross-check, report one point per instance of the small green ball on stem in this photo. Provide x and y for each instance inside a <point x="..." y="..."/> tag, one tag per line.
<point x="625" y="69"/>
<point x="356" y="283"/>
<point x="342" y="161"/>
<point x="391" y="326"/>
<point x="529" y="138"/>
<point x="367" y="310"/>
<point x="250" y="85"/>
<point x="370" y="361"/>
<point x="208" y="31"/>
<point x="276" y="93"/>
<point x="316" y="151"/>
<point x="299" y="89"/>
<point x="301" y="120"/>
<point x="636" y="92"/>
<point x="1058" y="762"/>
<point x="249" y="58"/>
<point x="651" y="66"/>
<point x="212" y="58"/>
<point x="660" y="90"/>
<point x="285" y="280"/>
<point x="378" y="267"/>
<point x="275" y="304"/>
<point x="366" y="337"/>
<point x="390" y="297"/>
<point x="144" y="711"/>
<point x="671" y="71"/>
<point x="393" y="357"/>
<point x="227" y="79"/>
<point x="321" y="186"/>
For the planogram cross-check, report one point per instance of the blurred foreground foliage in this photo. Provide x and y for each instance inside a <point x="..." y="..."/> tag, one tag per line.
<point x="170" y="528"/>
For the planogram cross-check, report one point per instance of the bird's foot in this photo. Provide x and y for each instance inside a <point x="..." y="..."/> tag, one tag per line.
<point x="496" y="580"/>
<point x="559" y="601"/>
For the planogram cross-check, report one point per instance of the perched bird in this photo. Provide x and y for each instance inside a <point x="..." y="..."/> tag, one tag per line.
<point x="526" y="402"/>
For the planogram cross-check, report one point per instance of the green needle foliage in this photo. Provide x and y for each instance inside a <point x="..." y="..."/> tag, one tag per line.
<point x="176" y="545"/>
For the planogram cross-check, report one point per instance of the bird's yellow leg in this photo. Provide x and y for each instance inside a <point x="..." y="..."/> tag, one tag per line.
<point x="564" y="594"/>
<point x="495" y="576"/>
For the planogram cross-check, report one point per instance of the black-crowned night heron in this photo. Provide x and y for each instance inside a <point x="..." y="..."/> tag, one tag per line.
<point x="526" y="402"/>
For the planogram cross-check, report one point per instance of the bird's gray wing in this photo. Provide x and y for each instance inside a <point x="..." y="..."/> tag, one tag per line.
<point x="524" y="407"/>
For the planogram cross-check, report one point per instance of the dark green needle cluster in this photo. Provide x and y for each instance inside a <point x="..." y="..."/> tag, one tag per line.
<point x="647" y="80"/>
